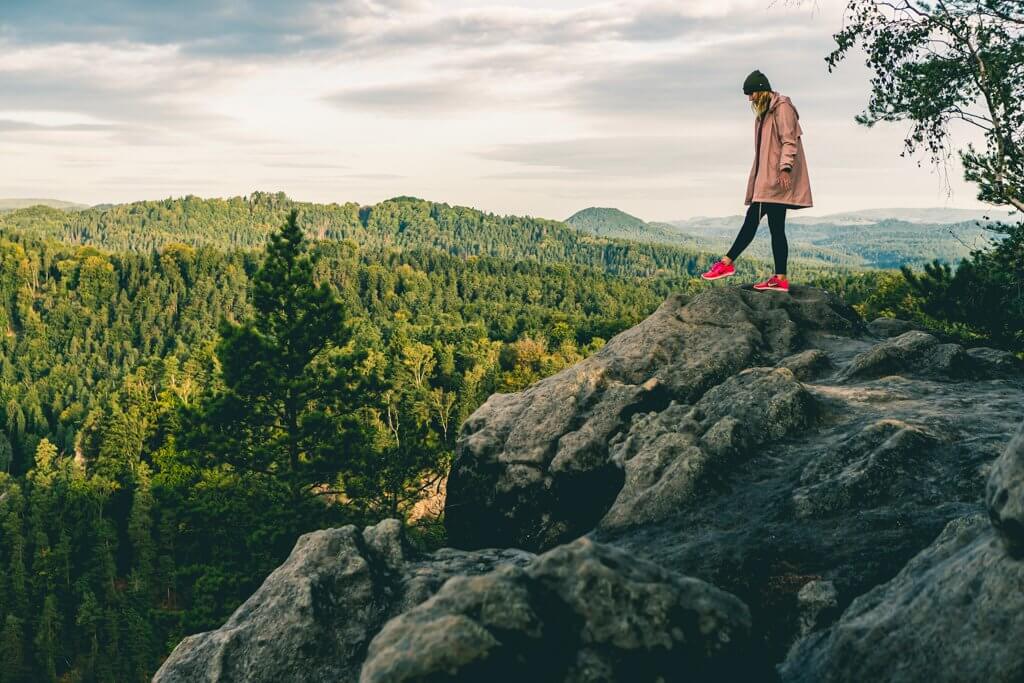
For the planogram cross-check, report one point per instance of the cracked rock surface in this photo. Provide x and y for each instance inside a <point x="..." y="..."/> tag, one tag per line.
<point x="535" y="468"/>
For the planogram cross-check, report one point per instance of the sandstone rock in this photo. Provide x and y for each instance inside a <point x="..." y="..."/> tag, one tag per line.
<point x="794" y="488"/>
<point x="912" y="352"/>
<point x="1004" y="495"/>
<point x="954" y="613"/>
<point x="891" y="327"/>
<point x="664" y="456"/>
<point x="533" y="469"/>
<point x="995" y="362"/>
<point x="807" y="365"/>
<point x="580" y="612"/>
<point x="816" y="602"/>
<point x="878" y="464"/>
<point x="313" y="617"/>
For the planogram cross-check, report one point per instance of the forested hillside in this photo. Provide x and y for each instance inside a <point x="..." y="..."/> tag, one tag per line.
<point x="403" y="222"/>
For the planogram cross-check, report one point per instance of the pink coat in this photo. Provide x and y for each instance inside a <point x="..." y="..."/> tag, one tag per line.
<point x="777" y="145"/>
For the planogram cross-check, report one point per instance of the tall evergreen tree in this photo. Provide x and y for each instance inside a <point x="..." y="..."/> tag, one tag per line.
<point x="12" y="651"/>
<point x="285" y="414"/>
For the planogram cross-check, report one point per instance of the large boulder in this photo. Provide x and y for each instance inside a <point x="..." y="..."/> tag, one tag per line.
<point x="995" y="362"/>
<point x="313" y="617"/>
<point x="533" y="469"/>
<point x="911" y="352"/>
<point x="1004" y="495"/>
<point x="580" y="612"/>
<point x="891" y="327"/>
<point x="844" y="497"/>
<point x="954" y="613"/>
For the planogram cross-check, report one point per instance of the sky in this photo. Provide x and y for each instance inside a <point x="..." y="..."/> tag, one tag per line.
<point x="530" y="108"/>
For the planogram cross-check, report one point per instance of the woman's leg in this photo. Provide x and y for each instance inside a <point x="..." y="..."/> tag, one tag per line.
<point x="747" y="231"/>
<point x="780" y="247"/>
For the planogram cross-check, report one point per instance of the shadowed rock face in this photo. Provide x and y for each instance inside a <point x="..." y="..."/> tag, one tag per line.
<point x="750" y="473"/>
<point x="580" y="612"/>
<point x="954" y="613"/>
<point x="1005" y="496"/>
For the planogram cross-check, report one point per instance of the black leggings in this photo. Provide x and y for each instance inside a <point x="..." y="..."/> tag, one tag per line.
<point x="776" y="223"/>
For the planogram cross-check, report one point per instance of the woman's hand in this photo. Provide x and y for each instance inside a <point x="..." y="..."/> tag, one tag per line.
<point x="785" y="180"/>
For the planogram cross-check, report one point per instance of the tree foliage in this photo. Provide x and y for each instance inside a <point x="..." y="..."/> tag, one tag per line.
<point x="935" y="62"/>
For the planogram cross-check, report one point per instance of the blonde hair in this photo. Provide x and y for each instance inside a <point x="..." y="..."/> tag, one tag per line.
<point x="762" y="98"/>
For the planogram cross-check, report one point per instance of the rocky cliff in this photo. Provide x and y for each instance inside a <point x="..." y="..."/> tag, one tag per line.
<point x="744" y="486"/>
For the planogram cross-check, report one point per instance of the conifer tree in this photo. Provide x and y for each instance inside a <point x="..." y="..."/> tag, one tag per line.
<point x="286" y="412"/>
<point x="12" y="651"/>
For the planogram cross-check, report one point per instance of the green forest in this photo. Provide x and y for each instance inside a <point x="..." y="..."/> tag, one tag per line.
<point x="188" y="385"/>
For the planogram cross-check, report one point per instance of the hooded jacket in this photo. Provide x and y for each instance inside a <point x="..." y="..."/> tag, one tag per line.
<point x="777" y="145"/>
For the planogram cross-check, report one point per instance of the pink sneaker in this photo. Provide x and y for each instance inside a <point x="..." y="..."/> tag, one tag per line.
<point x="773" y="284"/>
<point x="720" y="269"/>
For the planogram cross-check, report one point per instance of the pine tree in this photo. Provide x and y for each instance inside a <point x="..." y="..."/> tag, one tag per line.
<point x="46" y="639"/>
<point x="285" y="414"/>
<point x="12" y="651"/>
<point x="13" y="538"/>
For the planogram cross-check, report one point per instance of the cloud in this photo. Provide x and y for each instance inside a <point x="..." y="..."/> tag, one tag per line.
<point x="206" y="27"/>
<point x="9" y="125"/>
<point x="408" y="99"/>
<point x="627" y="156"/>
<point x="595" y="99"/>
<point x="374" y="176"/>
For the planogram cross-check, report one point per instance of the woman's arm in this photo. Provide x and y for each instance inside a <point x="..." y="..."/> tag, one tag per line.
<point x="785" y="123"/>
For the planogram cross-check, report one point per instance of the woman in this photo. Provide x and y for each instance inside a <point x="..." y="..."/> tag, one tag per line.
<point x="778" y="180"/>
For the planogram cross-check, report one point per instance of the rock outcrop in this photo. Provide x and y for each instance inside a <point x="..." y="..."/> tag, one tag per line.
<point x="580" y="612"/>
<point x="315" y="615"/>
<point x="807" y="448"/>
<point x="534" y="469"/>
<point x="955" y="612"/>
<point x="1005" y="496"/>
<point x="664" y="455"/>
<point x="755" y="478"/>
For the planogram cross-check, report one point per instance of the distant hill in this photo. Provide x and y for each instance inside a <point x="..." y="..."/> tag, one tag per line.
<point x="610" y="222"/>
<point x="14" y="203"/>
<point x="614" y="223"/>
<point x="930" y="216"/>
<point x="935" y="216"/>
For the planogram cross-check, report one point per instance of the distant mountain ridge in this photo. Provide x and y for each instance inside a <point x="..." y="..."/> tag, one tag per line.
<point x="15" y="203"/>
<point x="869" y="238"/>
<point x="931" y="216"/>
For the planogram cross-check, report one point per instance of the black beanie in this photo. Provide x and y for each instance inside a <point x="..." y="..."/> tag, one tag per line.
<point x="756" y="81"/>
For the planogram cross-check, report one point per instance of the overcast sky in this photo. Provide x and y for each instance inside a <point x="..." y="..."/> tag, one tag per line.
<point x="527" y="107"/>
